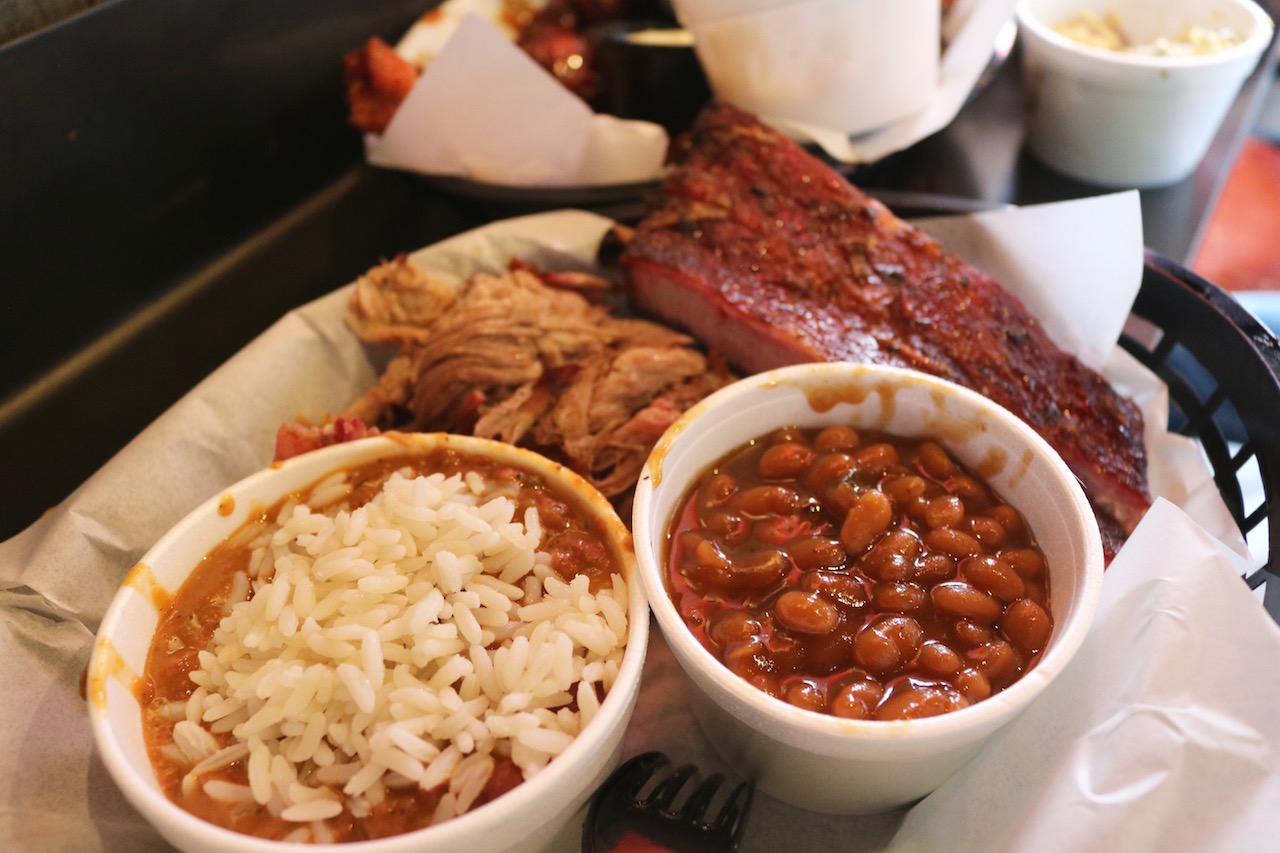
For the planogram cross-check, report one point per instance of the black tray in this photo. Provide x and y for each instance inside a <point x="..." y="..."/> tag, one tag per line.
<point x="1222" y="367"/>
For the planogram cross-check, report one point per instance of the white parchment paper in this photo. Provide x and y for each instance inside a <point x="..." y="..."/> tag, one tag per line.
<point x="1156" y="737"/>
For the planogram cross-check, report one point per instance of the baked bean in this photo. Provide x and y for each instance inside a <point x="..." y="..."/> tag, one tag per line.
<point x="996" y="660"/>
<point x="885" y="565"/>
<point x="840" y="497"/>
<point x="784" y="461"/>
<point x="892" y="557"/>
<point x="937" y="658"/>
<point x="900" y="541"/>
<point x="888" y="643"/>
<point x="806" y="612"/>
<point x="965" y="601"/>
<point x="971" y="634"/>
<point x="827" y="469"/>
<point x="859" y="574"/>
<point x="973" y="684"/>
<point x="1027" y="626"/>
<point x="778" y="530"/>
<point x="878" y="458"/>
<point x="786" y="435"/>
<point x="993" y="575"/>
<point x="856" y="700"/>
<point x="705" y="553"/>
<point x="935" y="461"/>
<point x="1009" y="519"/>
<point x="898" y="597"/>
<point x="747" y="658"/>
<point x="766" y="500"/>
<point x="837" y="587"/>
<point x="1036" y="592"/>
<point x="753" y="571"/>
<point x="837" y="438"/>
<point x="915" y="509"/>
<point x="954" y="543"/>
<point x="785" y="651"/>
<point x="716" y="491"/>
<point x="867" y="519"/>
<point x="987" y="530"/>
<point x="969" y="490"/>
<point x="913" y="703"/>
<point x="1025" y="561"/>
<point x="805" y="694"/>
<point x="765" y="682"/>
<point x="760" y="571"/>
<point x="904" y="489"/>
<point x="733" y="626"/>
<point x="944" y="511"/>
<point x="729" y="527"/>
<point x="827" y="654"/>
<point x="815" y="552"/>
<point x="932" y="568"/>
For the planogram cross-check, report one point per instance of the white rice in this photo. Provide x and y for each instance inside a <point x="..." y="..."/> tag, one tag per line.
<point x="411" y="641"/>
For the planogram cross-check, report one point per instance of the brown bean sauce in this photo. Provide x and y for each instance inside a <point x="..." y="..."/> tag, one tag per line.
<point x="859" y="574"/>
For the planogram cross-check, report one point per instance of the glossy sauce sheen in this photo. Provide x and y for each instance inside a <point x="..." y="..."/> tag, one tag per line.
<point x="859" y="574"/>
<point x="575" y="547"/>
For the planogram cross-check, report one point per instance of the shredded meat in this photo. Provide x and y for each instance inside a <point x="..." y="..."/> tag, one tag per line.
<point x="513" y="358"/>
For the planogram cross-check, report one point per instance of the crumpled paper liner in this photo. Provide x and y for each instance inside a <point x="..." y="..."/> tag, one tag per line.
<point x="1181" y="654"/>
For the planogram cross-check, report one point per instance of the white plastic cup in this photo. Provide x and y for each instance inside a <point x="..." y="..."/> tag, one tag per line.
<point x="847" y="65"/>
<point x="1122" y="119"/>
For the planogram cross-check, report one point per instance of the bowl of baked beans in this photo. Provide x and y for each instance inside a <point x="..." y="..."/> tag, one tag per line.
<point x="865" y="572"/>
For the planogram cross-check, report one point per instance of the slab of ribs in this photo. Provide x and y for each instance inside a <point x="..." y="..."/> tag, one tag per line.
<point x="770" y="257"/>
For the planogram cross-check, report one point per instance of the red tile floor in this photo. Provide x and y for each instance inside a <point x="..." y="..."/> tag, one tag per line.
<point x="1240" y="250"/>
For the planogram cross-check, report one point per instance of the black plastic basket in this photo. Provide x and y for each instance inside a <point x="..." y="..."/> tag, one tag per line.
<point x="1222" y="367"/>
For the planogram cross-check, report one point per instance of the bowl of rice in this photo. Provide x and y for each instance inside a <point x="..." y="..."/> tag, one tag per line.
<point x="406" y="642"/>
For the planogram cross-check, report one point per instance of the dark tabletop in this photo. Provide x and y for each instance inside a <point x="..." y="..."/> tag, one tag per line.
<point x="177" y="174"/>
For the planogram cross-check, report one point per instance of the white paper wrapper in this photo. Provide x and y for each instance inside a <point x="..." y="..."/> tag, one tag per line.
<point x="1161" y="718"/>
<point x="484" y="110"/>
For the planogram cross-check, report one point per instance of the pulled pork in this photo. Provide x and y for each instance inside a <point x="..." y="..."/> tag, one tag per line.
<point x="526" y="358"/>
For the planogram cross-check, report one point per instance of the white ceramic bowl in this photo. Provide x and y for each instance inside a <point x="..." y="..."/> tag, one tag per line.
<point x="525" y="818"/>
<point x="1122" y="119"/>
<point x="821" y="762"/>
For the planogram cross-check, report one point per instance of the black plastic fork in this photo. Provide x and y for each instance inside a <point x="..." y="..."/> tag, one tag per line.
<point x="620" y="819"/>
